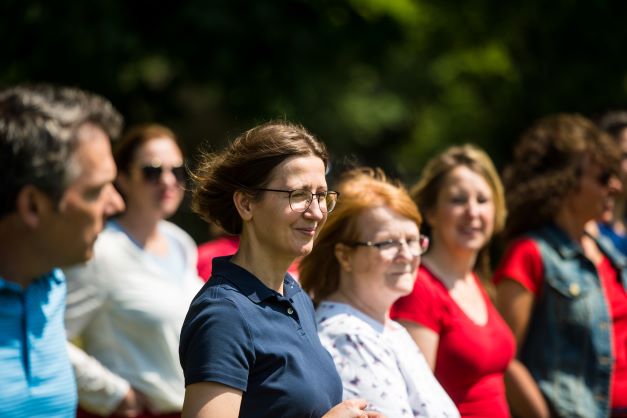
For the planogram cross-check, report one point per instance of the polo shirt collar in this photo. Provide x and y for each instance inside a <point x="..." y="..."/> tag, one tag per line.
<point x="55" y="275"/>
<point x="249" y="284"/>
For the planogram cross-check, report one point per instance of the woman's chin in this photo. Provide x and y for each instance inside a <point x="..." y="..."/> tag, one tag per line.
<point x="303" y="250"/>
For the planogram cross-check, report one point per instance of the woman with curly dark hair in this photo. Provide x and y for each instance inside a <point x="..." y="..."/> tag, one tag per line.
<point x="562" y="291"/>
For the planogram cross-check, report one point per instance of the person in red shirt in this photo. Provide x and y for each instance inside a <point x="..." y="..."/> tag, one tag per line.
<point x="220" y="246"/>
<point x="449" y="313"/>
<point x="562" y="291"/>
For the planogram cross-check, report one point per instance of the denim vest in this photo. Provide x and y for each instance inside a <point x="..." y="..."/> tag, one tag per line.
<point x="568" y="348"/>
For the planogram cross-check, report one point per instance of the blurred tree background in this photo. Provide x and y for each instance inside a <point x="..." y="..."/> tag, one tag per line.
<point x="382" y="82"/>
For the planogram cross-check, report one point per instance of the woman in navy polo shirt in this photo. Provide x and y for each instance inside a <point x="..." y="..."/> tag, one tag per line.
<point x="249" y="345"/>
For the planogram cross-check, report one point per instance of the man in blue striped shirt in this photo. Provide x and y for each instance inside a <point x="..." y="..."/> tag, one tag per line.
<point x="56" y="173"/>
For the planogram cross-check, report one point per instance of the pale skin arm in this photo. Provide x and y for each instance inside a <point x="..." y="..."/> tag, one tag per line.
<point x="515" y="304"/>
<point x="352" y="408"/>
<point x="215" y="400"/>
<point x="426" y="339"/>
<point x="211" y="400"/>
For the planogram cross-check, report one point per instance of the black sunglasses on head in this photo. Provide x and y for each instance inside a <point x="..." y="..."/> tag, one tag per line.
<point x="152" y="173"/>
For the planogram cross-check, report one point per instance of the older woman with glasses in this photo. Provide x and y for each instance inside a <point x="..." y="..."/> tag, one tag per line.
<point x="249" y="346"/>
<point x="127" y="305"/>
<point x="449" y="313"/>
<point x="365" y="258"/>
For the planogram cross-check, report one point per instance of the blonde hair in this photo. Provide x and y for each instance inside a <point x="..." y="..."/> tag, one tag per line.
<point x="425" y="192"/>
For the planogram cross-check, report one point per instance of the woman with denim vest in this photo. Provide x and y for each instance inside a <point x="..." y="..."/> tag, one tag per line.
<point x="562" y="291"/>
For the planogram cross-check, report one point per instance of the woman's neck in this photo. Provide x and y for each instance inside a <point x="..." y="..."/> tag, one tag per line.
<point x="143" y="230"/>
<point x="268" y="268"/>
<point x="450" y="266"/>
<point x="374" y="307"/>
<point x="570" y="224"/>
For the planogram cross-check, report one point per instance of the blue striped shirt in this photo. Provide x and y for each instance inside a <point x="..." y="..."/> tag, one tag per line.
<point x="36" y="378"/>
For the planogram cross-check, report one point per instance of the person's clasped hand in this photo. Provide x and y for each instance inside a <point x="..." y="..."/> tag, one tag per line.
<point x="132" y="405"/>
<point x="352" y="408"/>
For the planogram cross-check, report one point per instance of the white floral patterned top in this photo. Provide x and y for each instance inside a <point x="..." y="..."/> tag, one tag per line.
<point x="381" y="363"/>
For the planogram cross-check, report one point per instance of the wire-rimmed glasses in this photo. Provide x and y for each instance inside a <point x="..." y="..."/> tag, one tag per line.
<point x="392" y="247"/>
<point x="300" y="199"/>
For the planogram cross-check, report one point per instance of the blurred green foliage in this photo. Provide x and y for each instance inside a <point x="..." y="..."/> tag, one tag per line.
<point x="382" y="82"/>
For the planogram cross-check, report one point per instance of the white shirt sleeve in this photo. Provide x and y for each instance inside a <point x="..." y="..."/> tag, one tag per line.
<point x="99" y="390"/>
<point x="127" y="311"/>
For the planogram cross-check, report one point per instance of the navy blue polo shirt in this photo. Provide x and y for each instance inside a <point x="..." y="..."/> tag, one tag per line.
<point x="240" y="333"/>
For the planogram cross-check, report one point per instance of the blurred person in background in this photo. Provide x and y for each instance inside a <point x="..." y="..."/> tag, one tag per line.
<point x="249" y="346"/>
<point x="562" y="291"/>
<point x="613" y="223"/>
<point x="56" y="174"/>
<point x="449" y="313"/>
<point x="127" y="305"/>
<point x="365" y="258"/>
<point x="221" y="244"/>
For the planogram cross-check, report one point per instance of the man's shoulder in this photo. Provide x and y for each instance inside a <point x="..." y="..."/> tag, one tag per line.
<point x="53" y="279"/>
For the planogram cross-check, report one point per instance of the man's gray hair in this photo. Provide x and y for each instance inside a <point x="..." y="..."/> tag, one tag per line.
<point x="38" y="137"/>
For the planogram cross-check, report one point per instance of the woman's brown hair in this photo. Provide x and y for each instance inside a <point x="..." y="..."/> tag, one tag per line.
<point x="125" y="149"/>
<point x="547" y="166"/>
<point x="247" y="164"/>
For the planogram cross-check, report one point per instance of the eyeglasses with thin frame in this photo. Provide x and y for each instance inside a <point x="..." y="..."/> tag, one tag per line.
<point x="392" y="247"/>
<point x="152" y="173"/>
<point x="301" y="199"/>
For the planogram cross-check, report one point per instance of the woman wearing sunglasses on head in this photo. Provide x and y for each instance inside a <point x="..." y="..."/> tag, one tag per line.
<point x="365" y="258"/>
<point x="249" y="346"/>
<point x="449" y="313"/>
<point x="127" y="305"/>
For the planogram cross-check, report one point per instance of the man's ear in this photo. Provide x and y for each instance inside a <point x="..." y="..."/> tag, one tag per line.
<point x="32" y="205"/>
<point x="244" y="205"/>
<point x="343" y="255"/>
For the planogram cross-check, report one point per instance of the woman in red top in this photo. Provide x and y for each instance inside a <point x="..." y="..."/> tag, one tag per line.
<point x="563" y="292"/>
<point x="449" y="313"/>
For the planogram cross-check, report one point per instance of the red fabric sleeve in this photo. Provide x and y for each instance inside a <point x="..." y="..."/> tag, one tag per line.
<point x="423" y="305"/>
<point x="522" y="263"/>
